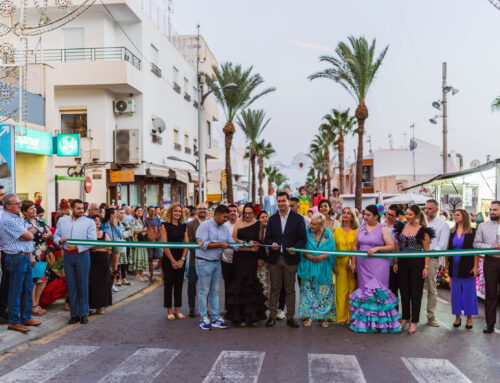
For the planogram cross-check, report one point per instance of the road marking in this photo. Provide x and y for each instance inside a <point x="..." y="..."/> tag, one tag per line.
<point x="42" y="369"/>
<point x="329" y="368"/>
<point x="443" y="301"/>
<point x="152" y="362"/>
<point x="426" y="370"/>
<point x="236" y="367"/>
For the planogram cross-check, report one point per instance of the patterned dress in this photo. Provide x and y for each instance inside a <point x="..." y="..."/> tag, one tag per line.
<point x="40" y="246"/>
<point x="138" y="255"/>
<point x="317" y="292"/>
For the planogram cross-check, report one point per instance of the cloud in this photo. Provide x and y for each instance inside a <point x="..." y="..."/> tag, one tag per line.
<point x="310" y="46"/>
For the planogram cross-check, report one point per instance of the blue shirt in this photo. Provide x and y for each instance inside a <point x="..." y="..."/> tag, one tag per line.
<point x="82" y="228"/>
<point x="12" y="227"/>
<point x="210" y="232"/>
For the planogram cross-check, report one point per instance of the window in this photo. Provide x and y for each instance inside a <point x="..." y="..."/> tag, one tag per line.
<point x="186" y="140"/>
<point x="195" y="146"/>
<point x="209" y="134"/>
<point x="154" y="54"/>
<point x="177" y="145"/>
<point x="186" y="85"/>
<point x="74" y="121"/>
<point x="176" y="75"/>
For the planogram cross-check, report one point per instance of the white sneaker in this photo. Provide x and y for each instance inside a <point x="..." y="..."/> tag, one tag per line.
<point x="205" y="323"/>
<point x="281" y="315"/>
<point x="114" y="288"/>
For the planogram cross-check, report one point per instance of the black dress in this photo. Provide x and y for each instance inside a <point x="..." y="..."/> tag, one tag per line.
<point x="246" y="301"/>
<point x="173" y="278"/>
<point x="100" y="278"/>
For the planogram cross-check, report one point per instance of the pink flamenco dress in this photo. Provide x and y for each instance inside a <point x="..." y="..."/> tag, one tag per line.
<point x="373" y="306"/>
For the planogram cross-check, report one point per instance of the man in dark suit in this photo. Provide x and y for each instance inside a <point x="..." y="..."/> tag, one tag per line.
<point x="285" y="229"/>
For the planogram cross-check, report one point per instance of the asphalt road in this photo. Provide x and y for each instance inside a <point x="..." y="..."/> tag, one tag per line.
<point x="134" y="342"/>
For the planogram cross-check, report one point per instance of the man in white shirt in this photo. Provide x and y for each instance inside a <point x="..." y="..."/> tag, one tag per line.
<point x="439" y="242"/>
<point x="227" y="254"/>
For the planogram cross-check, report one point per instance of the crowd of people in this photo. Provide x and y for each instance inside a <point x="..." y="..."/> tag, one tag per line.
<point x="259" y="256"/>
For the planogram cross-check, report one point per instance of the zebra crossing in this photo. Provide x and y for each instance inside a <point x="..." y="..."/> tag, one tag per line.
<point x="147" y="364"/>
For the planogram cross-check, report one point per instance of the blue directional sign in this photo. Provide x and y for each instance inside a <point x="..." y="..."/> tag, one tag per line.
<point x="7" y="158"/>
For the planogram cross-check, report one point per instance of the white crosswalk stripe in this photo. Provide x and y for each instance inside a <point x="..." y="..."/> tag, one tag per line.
<point x="44" y="368"/>
<point x="426" y="370"/>
<point x="236" y="367"/>
<point x="330" y="368"/>
<point x="152" y="362"/>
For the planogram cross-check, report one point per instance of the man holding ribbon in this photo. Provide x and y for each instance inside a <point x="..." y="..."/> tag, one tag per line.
<point x="213" y="237"/>
<point x="76" y="259"/>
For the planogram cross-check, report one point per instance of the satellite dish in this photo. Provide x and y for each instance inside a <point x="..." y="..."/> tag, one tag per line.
<point x="159" y="125"/>
<point x="475" y="163"/>
<point x="413" y="144"/>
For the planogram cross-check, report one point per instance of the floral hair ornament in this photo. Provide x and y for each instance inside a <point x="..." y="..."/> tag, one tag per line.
<point x="380" y="209"/>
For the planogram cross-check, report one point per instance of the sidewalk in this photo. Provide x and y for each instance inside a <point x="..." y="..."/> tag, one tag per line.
<point x="56" y="318"/>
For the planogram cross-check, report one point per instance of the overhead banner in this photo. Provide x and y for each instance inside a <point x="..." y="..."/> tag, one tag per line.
<point x="7" y="158"/>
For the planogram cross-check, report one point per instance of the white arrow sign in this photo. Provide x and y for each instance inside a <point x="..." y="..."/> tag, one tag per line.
<point x="5" y="129"/>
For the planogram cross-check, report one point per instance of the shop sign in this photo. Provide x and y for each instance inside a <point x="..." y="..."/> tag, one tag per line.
<point x="121" y="176"/>
<point x="88" y="184"/>
<point x="68" y="145"/>
<point x="7" y="161"/>
<point x="34" y="141"/>
<point x="214" y="197"/>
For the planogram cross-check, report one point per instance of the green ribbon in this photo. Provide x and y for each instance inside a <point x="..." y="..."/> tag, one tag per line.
<point x="338" y="253"/>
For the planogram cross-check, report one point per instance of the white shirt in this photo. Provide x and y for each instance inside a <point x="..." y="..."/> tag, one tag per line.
<point x="307" y="220"/>
<point x="442" y="230"/>
<point x="227" y="254"/>
<point x="283" y="220"/>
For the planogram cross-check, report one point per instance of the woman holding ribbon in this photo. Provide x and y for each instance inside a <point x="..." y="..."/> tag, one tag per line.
<point x="463" y="270"/>
<point x="246" y="299"/>
<point x="317" y="293"/>
<point x="373" y="305"/>
<point x="412" y="271"/>
<point x="173" y="229"/>
<point x="344" y="237"/>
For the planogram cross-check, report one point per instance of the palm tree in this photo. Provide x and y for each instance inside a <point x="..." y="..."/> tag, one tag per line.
<point x="270" y="172"/>
<point x="280" y="179"/>
<point x="253" y="122"/>
<point x="317" y="170"/>
<point x="322" y="143"/>
<point x="495" y="105"/>
<point x="234" y="100"/>
<point x="264" y="150"/>
<point x="354" y="68"/>
<point x="341" y="124"/>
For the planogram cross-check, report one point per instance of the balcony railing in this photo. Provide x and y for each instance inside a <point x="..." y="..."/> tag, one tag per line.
<point x="177" y="146"/>
<point x="82" y="54"/>
<point x="187" y="150"/>
<point x="155" y="70"/>
<point x="83" y="132"/>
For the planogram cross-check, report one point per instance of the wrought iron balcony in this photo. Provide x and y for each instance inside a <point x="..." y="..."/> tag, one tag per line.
<point x="82" y="54"/>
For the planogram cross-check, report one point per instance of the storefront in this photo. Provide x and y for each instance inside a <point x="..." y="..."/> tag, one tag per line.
<point x="34" y="149"/>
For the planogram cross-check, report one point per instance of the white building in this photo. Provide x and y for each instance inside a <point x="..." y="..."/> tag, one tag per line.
<point x="131" y="95"/>
<point x="397" y="169"/>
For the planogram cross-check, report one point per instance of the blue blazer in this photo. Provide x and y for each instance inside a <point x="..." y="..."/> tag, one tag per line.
<point x="293" y="236"/>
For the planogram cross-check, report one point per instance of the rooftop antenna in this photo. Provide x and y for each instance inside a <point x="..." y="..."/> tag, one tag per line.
<point x="404" y="135"/>
<point x="370" y="143"/>
<point x="390" y="140"/>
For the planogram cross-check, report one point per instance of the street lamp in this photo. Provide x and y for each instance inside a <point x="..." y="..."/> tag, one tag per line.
<point x="175" y="158"/>
<point x="444" y="103"/>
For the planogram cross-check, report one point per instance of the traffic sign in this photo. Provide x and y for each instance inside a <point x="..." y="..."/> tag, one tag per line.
<point x="88" y="184"/>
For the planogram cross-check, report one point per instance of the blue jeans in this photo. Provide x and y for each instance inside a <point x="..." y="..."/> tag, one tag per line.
<point x="76" y="269"/>
<point x="20" y="287"/>
<point x="192" y="280"/>
<point x="209" y="275"/>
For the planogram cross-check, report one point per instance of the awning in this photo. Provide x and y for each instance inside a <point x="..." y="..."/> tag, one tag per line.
<point x="180" y="175"/>
<point x="193" y="176"/>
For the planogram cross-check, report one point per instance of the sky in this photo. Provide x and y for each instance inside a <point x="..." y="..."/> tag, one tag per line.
<point x="283" y="39"/>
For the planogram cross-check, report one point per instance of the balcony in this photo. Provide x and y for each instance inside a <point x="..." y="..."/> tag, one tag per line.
<point x="187" y="97"/>
<point x="155" y="70"/>
<point x="83" y="132"/>
<point x="177" y="146"/>
<point x="82" y="54"/>
<point x="177" y="88"/>
<point x="187" y="150"/>
<point x="115" y="69"/>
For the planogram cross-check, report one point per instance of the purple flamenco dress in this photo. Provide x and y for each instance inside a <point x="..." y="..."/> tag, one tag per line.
<point x="373" y="305"/>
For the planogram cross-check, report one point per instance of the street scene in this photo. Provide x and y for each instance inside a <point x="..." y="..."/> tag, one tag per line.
<point x="231" y="192"/>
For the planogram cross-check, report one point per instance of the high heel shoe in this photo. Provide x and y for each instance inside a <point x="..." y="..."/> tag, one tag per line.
<point x="457" y="324"/>
<point x="468" y="326"/>
<point x="404" y="322"/>
<point x="412" y="331"/>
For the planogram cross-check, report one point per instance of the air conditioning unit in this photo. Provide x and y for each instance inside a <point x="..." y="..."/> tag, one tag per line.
<point x="127" y="146"/>
<point x="124" y="106"/>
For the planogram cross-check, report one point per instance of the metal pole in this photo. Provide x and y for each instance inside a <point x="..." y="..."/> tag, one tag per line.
<point x="201" y="154"/>
<point x="413" y="150"/>
<point x="249" y="170"/>
<point x="445" y="123"/>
